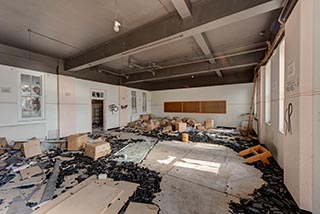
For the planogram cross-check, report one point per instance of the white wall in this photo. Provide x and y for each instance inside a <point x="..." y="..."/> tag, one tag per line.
<point x="67" y="110"/>
<point x="238" y="99"/>
<point x="316" y="110"/>
<point x="75" y="104"/>
<point x="10" y="125"/>
<point x="297" y="152"/>
<point x="270" y="134"/>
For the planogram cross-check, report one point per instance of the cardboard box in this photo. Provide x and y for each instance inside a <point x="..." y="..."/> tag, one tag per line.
<point x="209" y="124"/>
<point x="97" y="149"/>
<point x="144" y="117"/>
<point x="31" y="148"/>
<point x="151" y="117"/>
<point x="151" y="126"/>
<point x="200" y="127"/>
<point x="167" y="128"/>
<point x="181" y="127"/>
<point x="77" y="141"/>
<point x="3" y="145"/>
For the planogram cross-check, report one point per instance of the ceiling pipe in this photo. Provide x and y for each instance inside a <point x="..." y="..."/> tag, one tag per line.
<point x="104" y="70"/>
<point x="198" y="61"/>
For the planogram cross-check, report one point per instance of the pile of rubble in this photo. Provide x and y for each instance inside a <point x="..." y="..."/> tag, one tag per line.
<point x="33" y="177"/>
<point x="149" y="122"/>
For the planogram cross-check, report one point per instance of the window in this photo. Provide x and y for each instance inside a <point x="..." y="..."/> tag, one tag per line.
<point x="268" y="93"/>
<point x="144" y="102"/>
<point x="281" y="85"/>
<point x="31" y="98"/>
<point x="133" y="102"/>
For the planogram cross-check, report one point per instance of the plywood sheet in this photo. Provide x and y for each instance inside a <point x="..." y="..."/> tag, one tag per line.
<point x="173" y="107"/>
<point x="112" y="207"/>
<point x="94" y="198"/>
<point x="128" y="190"/>
<point x="135" y="208"/>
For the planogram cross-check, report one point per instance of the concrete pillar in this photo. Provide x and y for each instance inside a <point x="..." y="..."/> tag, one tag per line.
<point x="298" y="79"/>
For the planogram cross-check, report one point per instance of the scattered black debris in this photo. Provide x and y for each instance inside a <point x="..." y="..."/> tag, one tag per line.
<point x="5" y="178"/>
<point x="271" y="198"/>
<point x="32" y="204"/>
<point x="26" y="186"/>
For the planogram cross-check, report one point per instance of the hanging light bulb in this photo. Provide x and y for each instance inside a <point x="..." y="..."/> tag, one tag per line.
<point x="116" y="26"/>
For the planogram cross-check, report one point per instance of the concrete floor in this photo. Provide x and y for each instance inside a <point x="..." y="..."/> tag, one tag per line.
<point x="200" y="178"/>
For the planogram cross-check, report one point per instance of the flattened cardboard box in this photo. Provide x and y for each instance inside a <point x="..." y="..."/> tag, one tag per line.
<point x="31" y="148"/>
<point x="77" y="141"/>
<point x="3" y="145"/>
<point x="31" y="171"/>
<point x="97" y="149"/>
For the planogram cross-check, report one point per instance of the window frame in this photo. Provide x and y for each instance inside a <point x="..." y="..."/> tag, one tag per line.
<point x="144" y="102"/>
<point x="281" y="85"/>
<point x="42" y="96"/>
<point x="268" y="92"/>
<point x="134" y="109"/>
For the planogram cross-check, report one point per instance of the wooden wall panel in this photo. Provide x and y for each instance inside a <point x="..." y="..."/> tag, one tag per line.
<point x="217" y="107"/>
<point x="212" y="107"/>
<point x="173" y="107"/>
<point x="191" y="107"/>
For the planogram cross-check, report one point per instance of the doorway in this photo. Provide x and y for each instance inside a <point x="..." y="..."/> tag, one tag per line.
<point x="97" y="115"/>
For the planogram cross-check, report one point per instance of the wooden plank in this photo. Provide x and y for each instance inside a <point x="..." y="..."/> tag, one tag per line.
<point x="47" y="206"/>
<point x="128" y="190"/>
<point x="93" y="198"/>
<point x="51" y="185"/>
<point x="17" y="182"/>
<point x="113" y="207"/>
<point x="191" y="107"/>
<point x="135" y="208"/>
<point x="173" y="107"/>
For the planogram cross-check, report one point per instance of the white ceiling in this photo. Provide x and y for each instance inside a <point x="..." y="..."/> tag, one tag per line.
<point x="80" y="23"/>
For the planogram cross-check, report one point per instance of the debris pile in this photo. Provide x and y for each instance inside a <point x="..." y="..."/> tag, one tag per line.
<point x="149" y="122"/>
<point x="47" y="175"/>
<point x="272" y="197"/>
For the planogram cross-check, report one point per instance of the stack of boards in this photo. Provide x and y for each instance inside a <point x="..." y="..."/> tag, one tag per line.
<point x="95" y="196"/>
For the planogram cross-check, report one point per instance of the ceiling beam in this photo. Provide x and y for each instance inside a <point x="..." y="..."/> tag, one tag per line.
<point x="203" y="44"/>
<point x="236" y="77"/>
<point x="207" y="15"/>
<point x="183" y="7"/>
<point x="193" y="69"/>
<point x="201" y="41"/>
